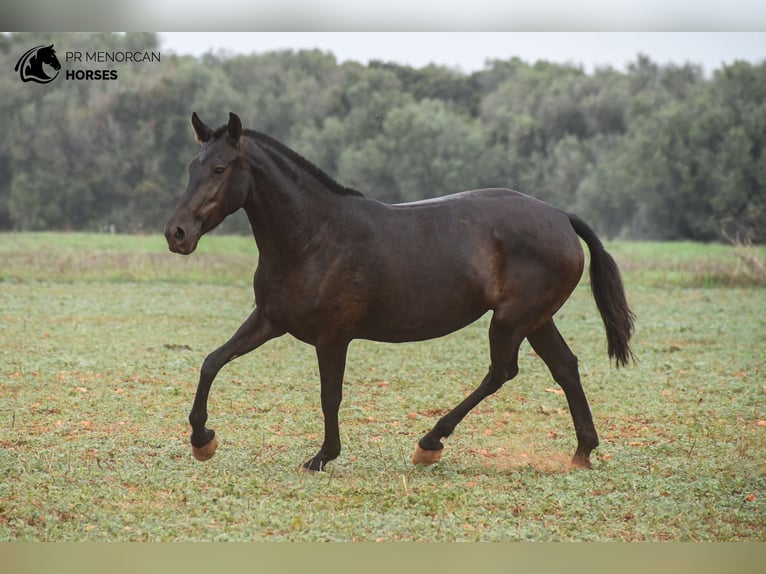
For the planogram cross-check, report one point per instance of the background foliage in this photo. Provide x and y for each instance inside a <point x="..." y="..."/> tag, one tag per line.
<point x="657" y="151"/>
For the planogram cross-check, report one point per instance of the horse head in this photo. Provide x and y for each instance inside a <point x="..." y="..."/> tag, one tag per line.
<point x="47" y="55"/>
<point x="219" y="181"/>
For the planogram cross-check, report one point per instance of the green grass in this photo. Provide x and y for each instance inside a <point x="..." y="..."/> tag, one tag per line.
<point x="87" y="257"/>
<point x="101" y="339"/>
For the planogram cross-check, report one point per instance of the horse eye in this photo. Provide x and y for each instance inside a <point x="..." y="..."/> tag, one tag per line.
<point x="219" y="170"/>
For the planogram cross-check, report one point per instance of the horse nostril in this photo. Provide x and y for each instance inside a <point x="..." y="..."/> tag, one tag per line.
<point x="179" y="234"/>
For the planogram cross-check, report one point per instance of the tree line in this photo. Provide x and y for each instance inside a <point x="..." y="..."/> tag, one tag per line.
<point x="655" y="151"/>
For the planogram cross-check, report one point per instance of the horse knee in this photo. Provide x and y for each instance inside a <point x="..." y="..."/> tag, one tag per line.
<point x="210" y="367"/>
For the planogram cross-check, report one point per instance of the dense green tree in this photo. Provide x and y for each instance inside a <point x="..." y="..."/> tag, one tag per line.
<point x="656" y="151"/>
<point x="424" y="150"/>
<point x="690" y="167"/>
<point x="434" y="82"/>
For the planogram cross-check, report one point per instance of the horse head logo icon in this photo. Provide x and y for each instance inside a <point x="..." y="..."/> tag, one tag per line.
<point x="30" y="65"/>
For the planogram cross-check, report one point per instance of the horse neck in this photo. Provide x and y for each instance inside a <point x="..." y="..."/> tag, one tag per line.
<point x="288" y="208"/>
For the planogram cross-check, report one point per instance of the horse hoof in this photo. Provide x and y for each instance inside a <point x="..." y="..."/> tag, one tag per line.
<point x="313" y="466"/>
<point x="579" y="461"/>
<point x="206" y="452"/>
<point x="426" y="457"/>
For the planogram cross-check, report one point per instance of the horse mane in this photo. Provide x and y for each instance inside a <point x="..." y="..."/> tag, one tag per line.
<point x="316" y="172"/>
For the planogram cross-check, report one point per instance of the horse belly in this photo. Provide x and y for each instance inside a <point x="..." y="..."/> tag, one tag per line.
<point x="425" y="300"/>
<point x="418" y="328"/>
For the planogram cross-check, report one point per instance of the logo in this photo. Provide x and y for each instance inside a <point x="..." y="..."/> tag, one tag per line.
<point x="41" y="65"/>
<point x="31" y="66"/>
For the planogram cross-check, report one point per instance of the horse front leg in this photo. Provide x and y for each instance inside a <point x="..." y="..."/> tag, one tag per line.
<point x="253" y="333"/>
<point x="332" y="365"/>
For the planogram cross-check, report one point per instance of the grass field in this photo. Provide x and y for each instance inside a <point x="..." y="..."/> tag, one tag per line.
<point x="101" y="339"/>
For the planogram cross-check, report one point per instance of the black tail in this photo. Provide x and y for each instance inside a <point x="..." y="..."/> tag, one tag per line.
<point x="609" y="293"/>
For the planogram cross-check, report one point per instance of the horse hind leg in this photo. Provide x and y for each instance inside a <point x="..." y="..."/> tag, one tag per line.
<point x="504" y="342"/>
<point x="562" y="363"/>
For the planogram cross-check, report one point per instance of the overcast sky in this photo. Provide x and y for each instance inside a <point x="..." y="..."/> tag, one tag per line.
<point x="468" y="51"/>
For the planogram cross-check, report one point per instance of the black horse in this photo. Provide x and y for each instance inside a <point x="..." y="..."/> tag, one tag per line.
<point x="335" y="265"/>
<point x="30" y="65"/>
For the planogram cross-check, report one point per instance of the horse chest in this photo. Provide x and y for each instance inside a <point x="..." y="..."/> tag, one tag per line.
<point x="309" y="308"/>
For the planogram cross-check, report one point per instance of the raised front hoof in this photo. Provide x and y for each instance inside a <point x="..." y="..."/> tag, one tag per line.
<point x="426" y="457"/>
<point x="581" y="462"/>
<point x="205" y="452"/>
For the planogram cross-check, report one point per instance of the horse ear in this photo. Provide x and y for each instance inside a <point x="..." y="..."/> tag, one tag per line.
<point x="234" y="127"/>
<point x="202" y="132"/>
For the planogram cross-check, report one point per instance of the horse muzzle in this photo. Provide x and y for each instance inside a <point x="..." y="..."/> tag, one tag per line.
<point x="179" y="240"/>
